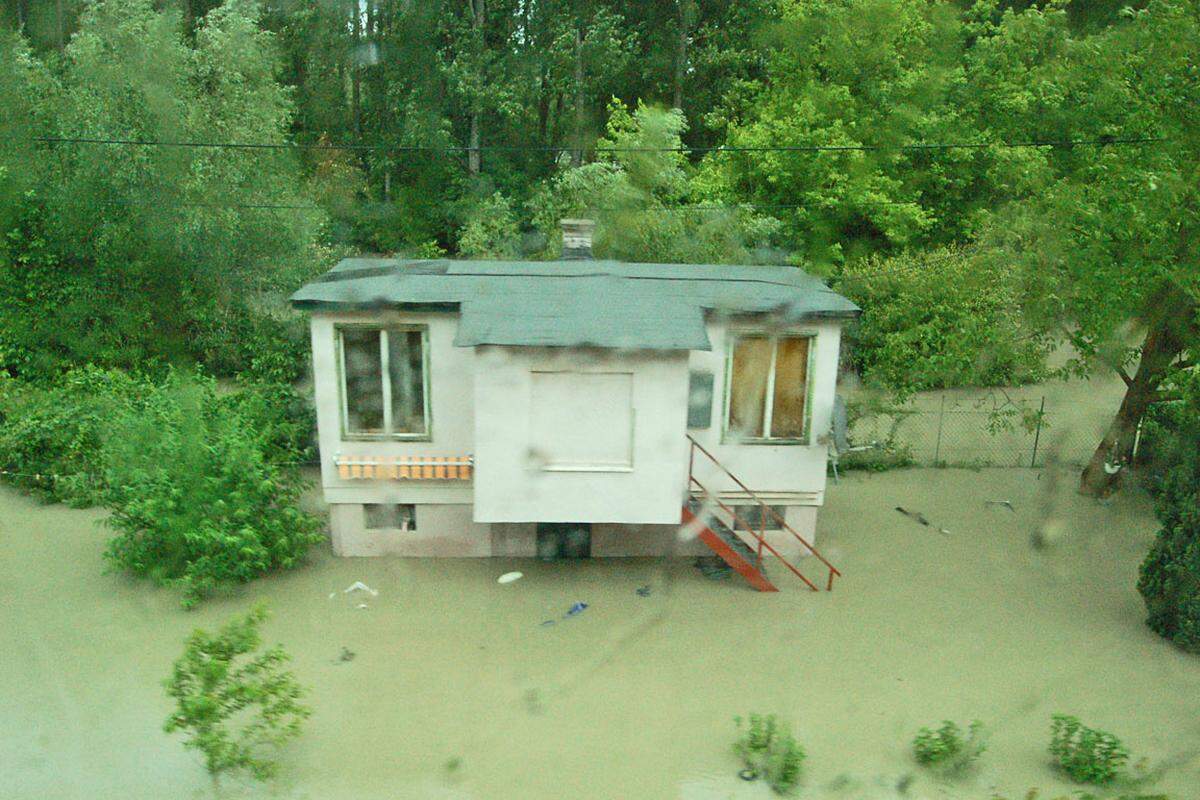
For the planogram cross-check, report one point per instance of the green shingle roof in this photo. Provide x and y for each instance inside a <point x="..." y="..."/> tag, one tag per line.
<point x="576" y="303"/>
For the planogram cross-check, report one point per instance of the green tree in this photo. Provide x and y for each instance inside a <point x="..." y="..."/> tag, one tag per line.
<point x="939" y="318"/>
<point x="872" y="77"/>
<point x="645" y="201"/>
<point x="198" y="495"/>
<point x="160" y="250"/>
<point x="1169" y="580"/>
<point x="235" y="704"/>
<point x="1107" y="238"/>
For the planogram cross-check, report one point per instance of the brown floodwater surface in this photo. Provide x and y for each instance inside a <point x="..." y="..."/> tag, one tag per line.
<point x="456" y="689"/>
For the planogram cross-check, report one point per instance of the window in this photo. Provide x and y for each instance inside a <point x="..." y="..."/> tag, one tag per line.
<point x="385" y="388"/>
<point x="390" y="516"/>
<point x="767" y="394"/>
<point x="758" y="518"/>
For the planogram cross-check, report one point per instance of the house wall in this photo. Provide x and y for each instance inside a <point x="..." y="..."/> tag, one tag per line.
<point x="635" y="512"/>
<point x="638" y="469"/>
<point x="782" y="474"/>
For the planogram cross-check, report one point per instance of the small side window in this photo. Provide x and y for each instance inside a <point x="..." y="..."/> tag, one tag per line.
<point x="758" y="518"/>
<point x="390" y="516"/>
<point x="700" y="399"/>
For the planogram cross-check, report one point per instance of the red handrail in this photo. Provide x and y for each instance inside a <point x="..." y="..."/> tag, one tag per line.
<point x="692" y="480"/>
<point x="762" y="542"/>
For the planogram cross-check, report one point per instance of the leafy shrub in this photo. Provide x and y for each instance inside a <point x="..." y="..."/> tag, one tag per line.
<point x="770" y="753"/>
<point x="947" y="748"/>
<point x="937" y="319"/>
<point x="1085" y="754"/>
<point x="51" y="434"/>
<point x="232" y="708"/>
<point x="1169" y="578"/>
<point x="195" y="497"/>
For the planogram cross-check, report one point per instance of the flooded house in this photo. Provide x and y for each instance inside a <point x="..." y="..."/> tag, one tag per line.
<point x="577" y="407"/>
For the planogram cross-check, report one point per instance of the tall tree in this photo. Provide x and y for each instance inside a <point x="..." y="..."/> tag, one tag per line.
<point x="1110" y="238"/>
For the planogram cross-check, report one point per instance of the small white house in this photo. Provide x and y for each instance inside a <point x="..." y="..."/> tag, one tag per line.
<point x="512" y="408"/>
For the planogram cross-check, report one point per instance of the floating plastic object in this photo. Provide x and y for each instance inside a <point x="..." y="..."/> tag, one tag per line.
<point x="643" y="591"/>
<point x="362" y="605"/>
<point x="1006" y="503"/>
<point x="359" y="586"/>
<point x="547" y="622"/>
<point x="509" y="577"/>
<point x="576" y="609"/>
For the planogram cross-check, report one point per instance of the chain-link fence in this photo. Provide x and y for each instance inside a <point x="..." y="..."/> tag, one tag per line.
<point x="962" y="433"/>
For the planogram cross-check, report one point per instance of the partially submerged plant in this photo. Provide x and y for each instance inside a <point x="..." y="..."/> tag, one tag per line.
<point x="948" y="749"/>
<point x="769" y="752"/>
<point x="233" y="709"/>
<point x="1086" y="754"/>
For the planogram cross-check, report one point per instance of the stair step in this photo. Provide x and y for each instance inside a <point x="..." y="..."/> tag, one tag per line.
<point x="728" y="545"/>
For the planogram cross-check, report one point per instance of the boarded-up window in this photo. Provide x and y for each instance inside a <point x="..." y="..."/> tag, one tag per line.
<point x="768" y="387"/>
<point x="384" y="385"/>
<point x="581" y="420"/>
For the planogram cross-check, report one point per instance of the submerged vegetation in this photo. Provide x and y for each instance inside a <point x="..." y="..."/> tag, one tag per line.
<point x="233" y="703"/>
<point x="197" y="492"/>
<point x="1085" y="754"/>
<point x="948" y="749"/>
<point x="769" y="752"/>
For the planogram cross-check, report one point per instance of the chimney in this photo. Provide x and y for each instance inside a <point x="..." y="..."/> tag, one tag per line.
<point x="577" y="238"/>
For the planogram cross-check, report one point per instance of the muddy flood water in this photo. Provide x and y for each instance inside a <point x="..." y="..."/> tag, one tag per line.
<point x="457" y="690"/>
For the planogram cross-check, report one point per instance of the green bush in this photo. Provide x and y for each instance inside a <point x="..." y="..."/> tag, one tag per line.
<point x="1085" y="754"/>
<point x="1169" y="579"/>
<point x="195" y="496"/>
<point x="937" y="319"/>
<point x="51" y="434"/>
<point x="770" y="753"/>
<point x="233" y="702"/>
<point x="947" y="749"/>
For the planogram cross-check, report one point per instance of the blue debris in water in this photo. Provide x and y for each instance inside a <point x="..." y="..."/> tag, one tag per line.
<point x="576" y="609"/>
<point x="643" y="591"/>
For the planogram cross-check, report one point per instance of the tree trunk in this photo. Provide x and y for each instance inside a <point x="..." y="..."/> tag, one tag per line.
<point x="478" y="10"/>
<point x="681" y="52"/>
<point x="1102" y="474"/>
<point x="355" y="80"/>
<point x="577" y="153"/>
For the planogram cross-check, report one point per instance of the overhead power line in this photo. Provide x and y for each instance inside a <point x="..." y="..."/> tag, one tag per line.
<point x="1103" y="141"/>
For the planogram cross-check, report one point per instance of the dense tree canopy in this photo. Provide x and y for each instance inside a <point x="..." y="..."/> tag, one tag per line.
<point x="1058" y="139"/>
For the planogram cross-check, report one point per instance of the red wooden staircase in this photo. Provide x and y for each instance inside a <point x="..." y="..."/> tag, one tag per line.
<point x="727" y="543"/>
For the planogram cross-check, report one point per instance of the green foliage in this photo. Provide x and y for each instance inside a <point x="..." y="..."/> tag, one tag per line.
<point x="51" y="434"/>
<point x="1169" y="579"/>
<point x="1085" y="754"/>
<point x="197" y="493"/>
<point x="123" y="256"/>
<point x="491" y="230"/>
<point x="233" y="703"/>
<point x="643" y="201"/>
<point x="769" y="752"/>
<point x="939" y="319"/>
<point x="948" y="749"/>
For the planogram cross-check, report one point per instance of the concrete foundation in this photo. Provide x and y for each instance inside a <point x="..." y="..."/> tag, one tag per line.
<point x="448" y="530"/>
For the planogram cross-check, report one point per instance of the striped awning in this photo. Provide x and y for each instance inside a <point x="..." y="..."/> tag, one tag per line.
<point x="405" y="468"/>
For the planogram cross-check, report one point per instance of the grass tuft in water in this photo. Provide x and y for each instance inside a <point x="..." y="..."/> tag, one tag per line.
<point x="769" y="752"/>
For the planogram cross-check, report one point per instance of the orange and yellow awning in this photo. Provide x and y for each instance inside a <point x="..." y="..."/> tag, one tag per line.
<point x="405" y="468"/>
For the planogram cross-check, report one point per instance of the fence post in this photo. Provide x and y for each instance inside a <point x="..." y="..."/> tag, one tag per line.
<point x="937" y="447"/>
<point x="1037" y="434"/>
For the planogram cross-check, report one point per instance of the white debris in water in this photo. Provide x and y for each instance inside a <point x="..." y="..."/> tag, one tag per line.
<point x="359" y="586"/>
<point x="509" y="577"/>
<point x="362" y="605"/>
